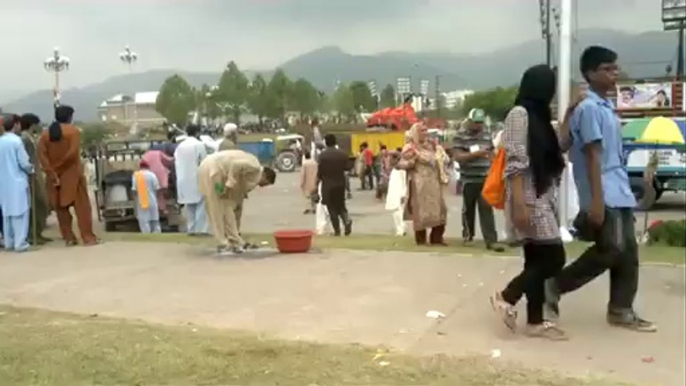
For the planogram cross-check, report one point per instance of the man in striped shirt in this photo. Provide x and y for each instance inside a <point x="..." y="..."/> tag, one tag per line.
<point x="473" y="150"/>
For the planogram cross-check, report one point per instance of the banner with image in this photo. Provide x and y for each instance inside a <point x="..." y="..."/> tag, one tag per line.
<point x="644" y="96"/>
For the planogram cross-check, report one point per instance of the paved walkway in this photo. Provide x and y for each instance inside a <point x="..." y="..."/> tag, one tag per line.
<point x="345" y="296"/>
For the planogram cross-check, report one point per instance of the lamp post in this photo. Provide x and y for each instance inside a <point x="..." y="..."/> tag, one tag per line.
<point x="563" y="96"/>
<point x="56" y="63"/>
<point x="129" y="57"/>
<point x="674" y="19"/>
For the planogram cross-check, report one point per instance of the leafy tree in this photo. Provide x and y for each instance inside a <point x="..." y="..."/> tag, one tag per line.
<point x="363" y="99"/>
<point x="495" y="102"/>
<point x="305" y="98"/>
<point x="279" y="90"/>
<point x="388" y="96"/>
<point x="233" y="91"/>
<point x="175" y="100"/>
<point x="258" y="98"/>
<point x="207" y="101"/>
<point x="343" y="101"/>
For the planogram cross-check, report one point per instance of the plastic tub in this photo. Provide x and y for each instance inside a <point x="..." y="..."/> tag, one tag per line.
<point x="293" y="241"/>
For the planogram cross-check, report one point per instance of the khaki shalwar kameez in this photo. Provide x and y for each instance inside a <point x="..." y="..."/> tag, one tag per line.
<point x="238" y="173"/>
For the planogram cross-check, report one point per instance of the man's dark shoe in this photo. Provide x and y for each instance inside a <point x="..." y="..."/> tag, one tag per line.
<point x="551" y="306"/>
<point x="348" y="228"/>
<point x="631" y="321"/>
<point x="495" y="247"/>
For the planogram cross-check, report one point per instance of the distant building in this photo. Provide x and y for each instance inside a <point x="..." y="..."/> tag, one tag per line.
<point x="120" y="108"/>
<point x="455" y="98"/>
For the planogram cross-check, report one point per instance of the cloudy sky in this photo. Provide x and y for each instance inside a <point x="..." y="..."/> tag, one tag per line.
<point x="203" y="35"/>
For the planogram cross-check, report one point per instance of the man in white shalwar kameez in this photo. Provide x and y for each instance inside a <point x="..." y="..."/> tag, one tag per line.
<point x="225" y="179"/>
<point x="15" y="169"/>
<point x="187" y="158"/>
<point x="396" y="198"/>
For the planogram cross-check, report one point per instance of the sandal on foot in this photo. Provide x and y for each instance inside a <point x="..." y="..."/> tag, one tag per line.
<point x="546" y="330"/>
<point x="506" y="311"/>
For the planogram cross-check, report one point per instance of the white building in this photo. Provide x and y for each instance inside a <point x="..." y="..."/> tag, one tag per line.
<point x="455" y="98"/>
<point x="123" y="108"/>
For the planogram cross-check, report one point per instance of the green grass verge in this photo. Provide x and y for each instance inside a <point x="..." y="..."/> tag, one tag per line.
<point x="57" y="349"/>
<point x="653" y="253"/>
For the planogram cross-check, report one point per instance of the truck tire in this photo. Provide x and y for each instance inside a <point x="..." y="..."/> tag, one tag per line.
<point x="286" y="162"/>
<point x="110" y="226"/>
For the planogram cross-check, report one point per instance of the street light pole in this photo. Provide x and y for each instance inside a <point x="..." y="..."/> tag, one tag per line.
<point x="129" y="57"/>
<point x="56" y="63"/>
<point x="674" y="18"/>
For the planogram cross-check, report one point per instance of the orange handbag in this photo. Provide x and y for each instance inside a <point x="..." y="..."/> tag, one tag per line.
<point x="494" y="186"/>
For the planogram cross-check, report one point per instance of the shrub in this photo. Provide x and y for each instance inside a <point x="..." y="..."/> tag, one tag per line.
<point x="672" y="233"/>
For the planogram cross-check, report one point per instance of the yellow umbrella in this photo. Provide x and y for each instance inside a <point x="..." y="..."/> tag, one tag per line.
<point x="663" y="131"/>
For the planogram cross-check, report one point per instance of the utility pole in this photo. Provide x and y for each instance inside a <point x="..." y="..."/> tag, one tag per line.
<point x="437" y="85"/>
<point x="680" y="59"/>
<point x="548" y="37"/>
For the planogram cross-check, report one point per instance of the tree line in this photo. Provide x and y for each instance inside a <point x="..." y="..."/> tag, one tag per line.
<point x="271" y="99"/>
<point x="235" y="94"/>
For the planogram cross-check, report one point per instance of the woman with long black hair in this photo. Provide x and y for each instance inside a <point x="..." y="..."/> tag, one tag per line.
<point x="533" y="168"/>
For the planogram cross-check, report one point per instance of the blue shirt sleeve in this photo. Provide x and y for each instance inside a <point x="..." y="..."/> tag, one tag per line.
<point x="588" y="124"/>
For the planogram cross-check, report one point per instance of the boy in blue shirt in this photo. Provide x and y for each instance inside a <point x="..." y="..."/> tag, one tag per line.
<point x="605" y="198"/>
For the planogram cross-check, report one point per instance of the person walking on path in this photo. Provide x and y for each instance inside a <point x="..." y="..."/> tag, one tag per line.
<point x="473" y="150"/>
<point x="333" y="164"/>
<point x="606" y="202"/>
<point x="226" y="178"/>
<point x="425" y="204"/>
<point x="308" y="183"/>
<point x="534" y="165"/>
<point x="145" y="186"/>
<point x="367" y="167"/>
<point x="15" y="172"/>
<point x="59" y="152"/>
<point x="40" y="209"/>
<point x="187" y="157"/>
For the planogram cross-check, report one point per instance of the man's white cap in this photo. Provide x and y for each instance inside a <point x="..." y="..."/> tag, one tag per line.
<point x="230" y="128"/>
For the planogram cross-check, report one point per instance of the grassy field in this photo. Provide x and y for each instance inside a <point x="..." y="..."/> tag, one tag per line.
<point x="653" y="254"/>
<point x="56" y="349"/>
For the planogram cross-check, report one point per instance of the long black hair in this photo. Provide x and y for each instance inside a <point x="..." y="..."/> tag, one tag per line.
<point x="536" y="92"/>
<point x="63" y="114"/>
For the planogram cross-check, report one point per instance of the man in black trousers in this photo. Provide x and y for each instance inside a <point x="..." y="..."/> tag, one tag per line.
<point x="333" y="165"/>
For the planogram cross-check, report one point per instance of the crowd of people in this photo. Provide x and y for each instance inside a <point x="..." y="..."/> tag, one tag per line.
<point x="42" y="171"/>
<point x="412" y="180"/>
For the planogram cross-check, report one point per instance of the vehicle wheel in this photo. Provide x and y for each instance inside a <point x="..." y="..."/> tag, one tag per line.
<point x="658" y="193"/>
<point x="286" y="162"/>
<point x="110" y="226"/>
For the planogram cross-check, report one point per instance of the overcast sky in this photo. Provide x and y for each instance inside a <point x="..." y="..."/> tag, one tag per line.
<point x="203" y="35"/>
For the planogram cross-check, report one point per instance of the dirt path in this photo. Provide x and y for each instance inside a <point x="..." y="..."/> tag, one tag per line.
<point x="341" y="296"/>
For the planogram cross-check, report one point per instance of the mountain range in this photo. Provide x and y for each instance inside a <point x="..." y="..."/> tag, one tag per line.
<point x="641" y="55"/>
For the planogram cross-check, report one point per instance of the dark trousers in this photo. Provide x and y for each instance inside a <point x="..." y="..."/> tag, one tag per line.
<point x="368" y="177"/>
<point x="435" y="237"/>
<point x="615" y="249"/>
<point x="471" y="200"/>
<point x="541" y="262"/>
<point x="335" y="205"/>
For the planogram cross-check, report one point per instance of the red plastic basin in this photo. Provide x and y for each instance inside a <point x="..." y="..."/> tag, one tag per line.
<point x="293" y="241"/>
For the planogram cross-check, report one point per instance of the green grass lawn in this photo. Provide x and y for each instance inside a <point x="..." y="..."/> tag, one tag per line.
<point x="653" y="253"/>
<point x="57" y="349"/>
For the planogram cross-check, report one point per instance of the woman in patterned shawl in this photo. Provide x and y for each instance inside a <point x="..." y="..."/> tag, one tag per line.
<point x="426" y="206"/>
<point x="533" y="169"/>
